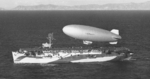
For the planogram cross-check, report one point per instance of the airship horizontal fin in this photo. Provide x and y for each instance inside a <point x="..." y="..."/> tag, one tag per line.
<point x="115" y="31"/>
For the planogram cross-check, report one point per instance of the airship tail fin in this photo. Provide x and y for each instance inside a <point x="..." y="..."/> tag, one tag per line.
<point x="115" y="31"/>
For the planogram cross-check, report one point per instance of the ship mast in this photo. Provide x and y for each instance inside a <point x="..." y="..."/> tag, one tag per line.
<point x="50" y="38"/>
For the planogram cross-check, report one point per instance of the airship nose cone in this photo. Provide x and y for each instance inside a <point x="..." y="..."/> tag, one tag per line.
<point x="64" y="29"/>
<point x="67" y="29"/>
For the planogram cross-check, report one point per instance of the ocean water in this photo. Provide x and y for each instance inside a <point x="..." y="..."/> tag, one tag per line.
<point x="23" y="29"/>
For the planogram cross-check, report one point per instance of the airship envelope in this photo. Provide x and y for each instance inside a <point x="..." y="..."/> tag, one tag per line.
<point x="89" y="33"/>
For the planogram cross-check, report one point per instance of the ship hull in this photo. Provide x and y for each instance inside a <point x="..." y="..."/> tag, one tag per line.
<point x="69" y="58"/>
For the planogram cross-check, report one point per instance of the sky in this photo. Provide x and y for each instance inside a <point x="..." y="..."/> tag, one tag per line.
<point x="8" y="4"/>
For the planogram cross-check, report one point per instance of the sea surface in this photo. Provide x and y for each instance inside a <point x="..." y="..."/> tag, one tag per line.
<point x="25" y="29"/>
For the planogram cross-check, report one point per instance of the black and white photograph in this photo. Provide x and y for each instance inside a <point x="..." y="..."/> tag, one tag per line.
<point x="74" y="39"/>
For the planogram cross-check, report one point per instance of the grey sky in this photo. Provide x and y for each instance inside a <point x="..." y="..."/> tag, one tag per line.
<point x="13" y="3"/>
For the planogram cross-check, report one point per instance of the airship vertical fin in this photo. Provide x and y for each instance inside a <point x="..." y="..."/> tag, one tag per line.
<point x="115" y="31"/>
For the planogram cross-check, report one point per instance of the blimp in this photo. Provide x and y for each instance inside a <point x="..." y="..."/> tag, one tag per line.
<point x="91" y="34"/>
